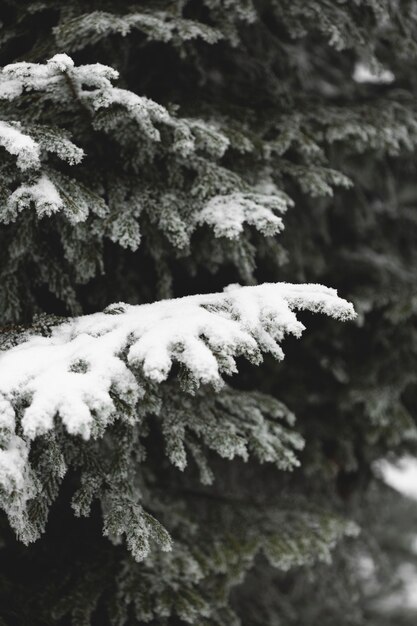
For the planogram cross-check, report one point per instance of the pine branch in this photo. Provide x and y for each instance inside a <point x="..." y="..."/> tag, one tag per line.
<point x="72" y="372"/>
<point x="92" y="370"/>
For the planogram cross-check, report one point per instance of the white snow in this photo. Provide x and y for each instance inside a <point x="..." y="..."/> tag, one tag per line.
<point x="364" y="74"/>
<point x="401" y="476"/>
<point x="227" y="214"/>
<point x="143" y="110"/>
<point x="43" y="194"/>
<point x="19" y="144"/>
<point x="61" y="62"/>
<point x="13" y="461"/>
<point x="18" y="77"/>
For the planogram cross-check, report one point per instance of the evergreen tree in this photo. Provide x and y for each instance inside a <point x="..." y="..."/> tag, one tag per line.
<point x="152" y="153"/>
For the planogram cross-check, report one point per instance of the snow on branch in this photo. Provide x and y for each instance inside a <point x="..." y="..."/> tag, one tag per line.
<point x="27" y="144"/>
<point x="30" y="144"/>
<point x="59" y="80"/>
<point x="19" y="144"/>
<point x="91" y="85"/>
<point x="93" y="369"/>
<point x="227" y="214"/>
<point x="42" y="194"/>
<point x="87" y="362"/>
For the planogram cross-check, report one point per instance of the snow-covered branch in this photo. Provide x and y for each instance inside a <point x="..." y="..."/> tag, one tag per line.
<point x="227" y="214"/>
<point x="88" y="361"/>
<point x="91" y="85"/>
<point x="93" y="369"/>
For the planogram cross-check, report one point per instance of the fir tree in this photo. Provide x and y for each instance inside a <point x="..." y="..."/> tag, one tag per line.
<point x="152" y="154"/>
